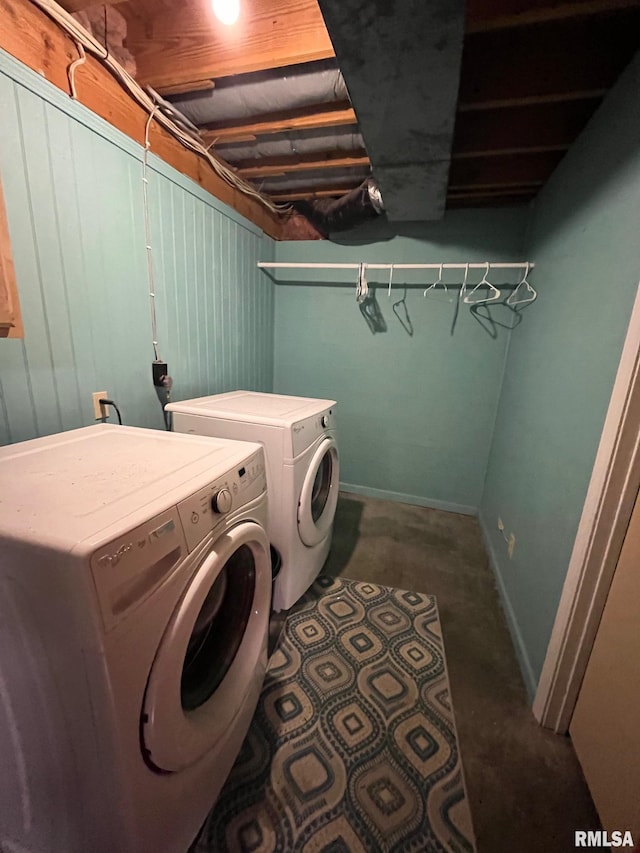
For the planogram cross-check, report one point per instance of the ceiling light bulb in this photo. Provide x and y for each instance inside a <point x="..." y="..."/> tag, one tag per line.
<point x="226" y="11"/>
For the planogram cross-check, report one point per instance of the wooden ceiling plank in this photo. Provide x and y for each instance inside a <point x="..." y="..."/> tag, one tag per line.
<point x="272" y="166"/>
<point x="546" y="62"/>
<point x="508" y="152"/>
<point x="187" y="42"/>
<point x="334" y="114"/>
<point x="186" y="88"/>
<point x="502" y="103"/>
<point x="481" y="189"/>
<point x="483" y="17"/>
<point x="34" y="39"/>
<point x="484" y="193"/>
<point x="305" y="194"/>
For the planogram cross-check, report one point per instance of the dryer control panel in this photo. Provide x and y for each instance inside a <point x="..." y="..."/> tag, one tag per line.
<point x="128" y="569"/>
<point x="207" y="508"/>
<point x="305" y="432"/>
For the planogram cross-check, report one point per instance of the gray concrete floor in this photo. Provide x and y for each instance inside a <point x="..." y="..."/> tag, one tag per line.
<point x="525" y="786"/>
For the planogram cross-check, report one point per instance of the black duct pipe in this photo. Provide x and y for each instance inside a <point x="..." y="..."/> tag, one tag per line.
<point x="330" y="215"/>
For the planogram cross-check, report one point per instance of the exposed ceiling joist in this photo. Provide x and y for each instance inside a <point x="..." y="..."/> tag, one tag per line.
<point x="182" y="88"/>
<point x="508" y="152"/>
<point x="183" y="42"/>
<point x="504" y="14"/>
<point x="506" y="187"/>
<point x="273" y="166"/>
<point x="335" y="114"/>
<point x="495" y="192"/>
<point x="503" y="103"/>
<point x="310" y="193"/>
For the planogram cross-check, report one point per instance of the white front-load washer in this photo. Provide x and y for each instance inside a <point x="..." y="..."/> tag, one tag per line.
<point x="303" y="471"/>
<point x="135" y="587"/>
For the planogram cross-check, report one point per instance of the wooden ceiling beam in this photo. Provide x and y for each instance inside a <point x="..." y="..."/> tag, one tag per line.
<point x="525" y="150"/>
<point x="499" y="200"/>
<point x="185" y="88"/>
<point x="306" y="194"/>
<point x="546" y="63"/>
<point x="532" y="100"/>
<point x="494" y="192"/>
<point x="186" y="41"/>
<point x="269" y="167"/>
<point x="485" y="17"/>
<point x="496" y="188"/>
<point x="334" y="114"/>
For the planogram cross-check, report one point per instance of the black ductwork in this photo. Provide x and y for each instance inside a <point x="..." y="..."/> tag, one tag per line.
<point x="341" y="214"/>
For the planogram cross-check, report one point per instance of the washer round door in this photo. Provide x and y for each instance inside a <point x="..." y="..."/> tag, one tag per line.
<point x="212" y="650"/>
<point x="319" y="494"/>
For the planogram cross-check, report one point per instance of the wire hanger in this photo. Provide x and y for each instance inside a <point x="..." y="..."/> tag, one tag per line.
<point x="402" y="313"/>
<point x="436" y="283"/>
<point x="531" y="294"/>
<point x="484" y="282"/>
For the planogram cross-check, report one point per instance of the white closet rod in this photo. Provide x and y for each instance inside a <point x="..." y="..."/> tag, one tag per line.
<point x="474" y="266"/>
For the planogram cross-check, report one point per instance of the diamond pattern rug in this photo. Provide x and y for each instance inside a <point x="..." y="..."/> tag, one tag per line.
<point x="353" y="746"/>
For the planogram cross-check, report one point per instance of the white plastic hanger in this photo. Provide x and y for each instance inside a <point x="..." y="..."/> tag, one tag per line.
<point x="437" y="283"/>
<point x="390" y="280"/>
<point x="362" y="288"/>
<point x="463" y="289"/>
<point x="531" y="294"/>
<point x="484" y="282"/>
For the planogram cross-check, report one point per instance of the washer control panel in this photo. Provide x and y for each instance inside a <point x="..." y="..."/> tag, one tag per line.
<point x="207" y="508"/>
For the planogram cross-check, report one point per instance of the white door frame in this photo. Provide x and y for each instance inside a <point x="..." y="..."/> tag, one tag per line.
<point x="605" y="517"/>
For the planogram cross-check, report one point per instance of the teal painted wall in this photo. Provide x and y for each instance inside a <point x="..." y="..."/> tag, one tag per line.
<point x="73" y="194"/>
<point x="416" y="414"/>
<point x="561" y="366"/>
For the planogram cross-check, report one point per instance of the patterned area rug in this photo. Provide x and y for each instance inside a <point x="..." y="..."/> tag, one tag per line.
<point x="353" y="746"/>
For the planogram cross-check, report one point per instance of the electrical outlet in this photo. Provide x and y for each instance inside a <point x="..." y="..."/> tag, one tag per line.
<point x="500" y="525"/>
<point x="99" y="411"/>
<point x="511" y="544"/>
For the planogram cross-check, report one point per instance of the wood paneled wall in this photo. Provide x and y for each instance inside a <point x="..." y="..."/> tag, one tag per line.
<point x="73" y="193"/>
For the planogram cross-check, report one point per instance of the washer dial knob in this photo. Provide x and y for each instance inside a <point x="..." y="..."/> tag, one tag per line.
<point x="221" y="502"/>
<point x="324" y="420"/>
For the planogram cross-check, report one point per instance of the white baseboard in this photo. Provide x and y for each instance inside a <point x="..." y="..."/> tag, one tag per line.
<point x="528" y="676"/>
<point x="416" y="500"/>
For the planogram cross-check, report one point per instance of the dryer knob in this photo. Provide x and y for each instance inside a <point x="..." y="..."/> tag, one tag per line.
<point x="324" y="420"/>
<point x="222" y="501"/>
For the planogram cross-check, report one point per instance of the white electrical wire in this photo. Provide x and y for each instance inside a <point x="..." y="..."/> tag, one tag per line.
<point x="147" y="235"/>
<point x="71" y="70"/>
<point x="84" y="39"/>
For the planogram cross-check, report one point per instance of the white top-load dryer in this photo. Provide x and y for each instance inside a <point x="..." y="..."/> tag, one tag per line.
<point x="135" y="586"/>
<point x="303" y="471"/>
